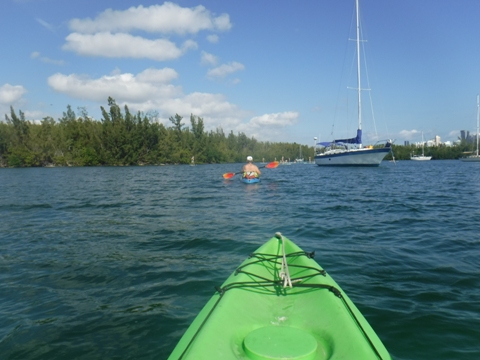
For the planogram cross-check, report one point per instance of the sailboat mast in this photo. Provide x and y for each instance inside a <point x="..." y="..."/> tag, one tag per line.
<point x="423" y="146"/>
<point x="478" y="117"/>
<point x="358" y="69"/>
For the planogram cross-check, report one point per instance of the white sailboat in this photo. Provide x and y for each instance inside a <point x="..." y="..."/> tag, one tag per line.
<point x="421" y="157"/>
<point x="300" y="159"/>
<point x="476" y="157"/>
<point x="351" y="152"/>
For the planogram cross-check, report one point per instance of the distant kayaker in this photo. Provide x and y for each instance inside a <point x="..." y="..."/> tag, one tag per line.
<point x="250" y="170"/>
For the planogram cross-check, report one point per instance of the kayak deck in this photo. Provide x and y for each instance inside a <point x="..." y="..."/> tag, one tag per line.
<point x="280" y="304"/>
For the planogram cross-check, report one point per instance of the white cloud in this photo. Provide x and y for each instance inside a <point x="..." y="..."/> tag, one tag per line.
<point x="109" y="34"/>
<point x="149" y="90"/>
<point x="214" y="108"/>
<point x="116" y="71"/>
<point x="282" y="119"/>
<point x="189" y="44"/>
<point x="225" y="69"/>
<point x="454" y="133"/>
<point x="152" y="90"/>
<point x="35" y="116"/>
<point x="45" y="24"/>
<point x="208" y="59"/>
<point x="269" y="126"/>
<point x="160" y="76"/>
<point x="212" y="38"/>
<point x="151" y="83"/>
<point x="36" y="55"/>
<point x="124" y="45"/>
<point x="167" y="18"/>
<point x="409" y="134"/>
<point x="10" y="94"/>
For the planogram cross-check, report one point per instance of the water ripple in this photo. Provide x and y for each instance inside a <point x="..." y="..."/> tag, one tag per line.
<point x="116" y="262"/>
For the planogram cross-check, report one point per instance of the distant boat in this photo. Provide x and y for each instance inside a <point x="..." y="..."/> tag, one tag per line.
<point x="285" y="162"/>
<point x="421" y="157"/>
<point x="299" y="160"/>
<point x="351" y="152"/>
<point x="192" y="161"/>
<point x="476" y="157"/>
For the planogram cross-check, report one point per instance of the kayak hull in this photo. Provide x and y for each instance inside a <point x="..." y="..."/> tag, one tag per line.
<point x="253" y="316"/>
<point x="251" y="181"/>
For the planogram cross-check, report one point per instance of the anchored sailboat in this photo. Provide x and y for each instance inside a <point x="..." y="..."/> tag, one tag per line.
<point x="476" y="157"/>
<point x="421" y="157"/>
<point x="351" y="152"/>
<point x="300" y="159"/>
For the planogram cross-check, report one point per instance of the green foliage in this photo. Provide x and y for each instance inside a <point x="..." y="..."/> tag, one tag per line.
<point x="441" y="152"/>
<point x="122" y="138"/>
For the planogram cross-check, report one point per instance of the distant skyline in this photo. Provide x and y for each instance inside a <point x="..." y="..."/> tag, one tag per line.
<point x="276" y="70"/>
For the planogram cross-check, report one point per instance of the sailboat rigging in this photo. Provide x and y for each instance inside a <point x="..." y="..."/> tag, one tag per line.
<point x="351" y="152"/>
<point x="300" y="159"/>
<point x="421" y="157"/>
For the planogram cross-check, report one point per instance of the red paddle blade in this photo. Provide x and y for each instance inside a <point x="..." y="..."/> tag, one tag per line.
<point x="272" y="165"/>
<point x="228" y="175"/>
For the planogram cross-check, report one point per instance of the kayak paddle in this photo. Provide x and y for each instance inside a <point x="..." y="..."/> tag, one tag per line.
<point x="271" y="165"/>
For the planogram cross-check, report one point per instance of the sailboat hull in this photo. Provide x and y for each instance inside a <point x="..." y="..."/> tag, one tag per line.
<point x="473" y="158"/>
<point x="420" y="158"/>
<point x="355" y="157"/>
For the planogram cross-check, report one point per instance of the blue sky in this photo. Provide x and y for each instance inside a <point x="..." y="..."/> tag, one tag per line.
<point x="275" y="69"/>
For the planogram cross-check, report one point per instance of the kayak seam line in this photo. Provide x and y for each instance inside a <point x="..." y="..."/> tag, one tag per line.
<point x="345" y="303"/>
<point x="361" y="327"/>
<point x="201" y="326"/>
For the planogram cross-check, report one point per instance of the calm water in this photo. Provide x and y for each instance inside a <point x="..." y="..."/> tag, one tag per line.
<point x="115" y="262"/>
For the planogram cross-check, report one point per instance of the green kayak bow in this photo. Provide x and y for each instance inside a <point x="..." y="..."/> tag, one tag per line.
<point x="279" y="304"/>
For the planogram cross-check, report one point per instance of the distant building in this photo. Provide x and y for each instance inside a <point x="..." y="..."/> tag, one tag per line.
<point x="437" y="140"/>
<point x="465" y="135"/>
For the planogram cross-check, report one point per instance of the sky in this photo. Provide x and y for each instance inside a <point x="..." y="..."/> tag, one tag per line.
<point x="276" y="70"/>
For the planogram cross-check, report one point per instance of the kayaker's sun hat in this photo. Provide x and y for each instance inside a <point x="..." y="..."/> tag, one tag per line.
<point x="249" y="158"/>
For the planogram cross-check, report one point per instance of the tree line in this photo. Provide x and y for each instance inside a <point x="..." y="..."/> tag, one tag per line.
<point x="440" y="152"/>
<point x="123" y="138"/>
